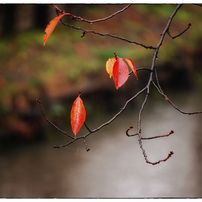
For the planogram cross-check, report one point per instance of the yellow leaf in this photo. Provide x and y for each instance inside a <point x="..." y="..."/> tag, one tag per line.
<point x="109" y="66"/>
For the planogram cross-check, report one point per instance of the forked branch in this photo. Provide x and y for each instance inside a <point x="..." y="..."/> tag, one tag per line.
<point x="153" y="79"/>
<point x="78" y="18"/>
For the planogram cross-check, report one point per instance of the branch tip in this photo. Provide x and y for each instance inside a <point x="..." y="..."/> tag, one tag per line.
<point x="163" y="160"/>
<point x="37" y="101"/>
<point x="130" y="129"/>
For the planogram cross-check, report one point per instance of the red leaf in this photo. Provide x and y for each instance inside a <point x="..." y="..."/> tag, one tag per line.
<point x="120" y="72"/>
<point x="131" y="65"/>
<point x="50" y="27"/>
<point x="78" y="115"/>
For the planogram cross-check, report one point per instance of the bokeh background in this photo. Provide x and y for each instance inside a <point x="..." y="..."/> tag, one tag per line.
<point x="54" y="73"/>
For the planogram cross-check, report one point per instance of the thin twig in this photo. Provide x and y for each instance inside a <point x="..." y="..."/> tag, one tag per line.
<point x="117" y="114"/>
<point x="167" y="99"/>
<point x="78" y="18"/>
<point x="163" y="160"/>
<point x="102" y="19"/>
<point x="128" y="131"/>
<point x="157" y="80"/>
<point x="65" y="145"/>
<point x="106" y="34"/>
<point x="140" y="69"/>
<point x="39" y="103"/>
<point x="173" y="37"/>
<point x="87" y="127"/>
<point x="159" y="136"/>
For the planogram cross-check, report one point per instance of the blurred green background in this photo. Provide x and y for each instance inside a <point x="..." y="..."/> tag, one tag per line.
<point x="68" y="63"/>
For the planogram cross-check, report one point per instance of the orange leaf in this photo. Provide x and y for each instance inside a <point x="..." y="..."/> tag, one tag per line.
<point x="78" y="115"/>
<point x="109" y="66"/>
<point x="131" y="65"/>
<point x="120" y="72"/>
<point x="50" y="27"/>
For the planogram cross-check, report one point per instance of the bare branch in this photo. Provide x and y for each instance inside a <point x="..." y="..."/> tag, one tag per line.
<point x="173" y="37"/>
<point x="78" y="18"/>
<point x="150" y="81"/>
<point x="128" y="131"/>
<point x="163" y="160"/>
<point x="106" y="34"/>
<point x="39" y="103"/>
<point x="116" y="115"/>
<point x="65" y="145"/>
<point x="140" y="69"/>
<point x="57" y="10"/>
<point x="159" y="136"/>
<point x="102" y="19"/>
<point x="87" y="127"/>
<point x="167" y="99"/>
<point x="152" y="72"/>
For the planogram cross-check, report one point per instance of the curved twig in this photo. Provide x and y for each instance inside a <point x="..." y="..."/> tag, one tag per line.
<point x="78" y="18"/>
<point x="39" y="103"/>
<point x="128" y="131"/>
<point x="167" y="99"/>
<point x="65" y="145"/>
<point x="163" y="160"/>
<point x="173" y="37"/>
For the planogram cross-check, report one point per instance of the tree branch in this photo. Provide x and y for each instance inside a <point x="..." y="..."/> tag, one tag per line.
<point x="159" y="136"/>
<point x="39" y="103"/>
<point x="167" y="99"/>
<point x="78" y="18"/>
<point x="153" y="74"/>
<point x="173" y="37"/>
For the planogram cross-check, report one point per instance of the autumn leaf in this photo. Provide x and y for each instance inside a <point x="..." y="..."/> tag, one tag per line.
<point x="131" y="65"/>
<point x="78" y="115"/>
<point x="109" y="66"/>
<point x="50" y="27"/>
<point x="118" y="68"/>
<point x="120" y="72"/>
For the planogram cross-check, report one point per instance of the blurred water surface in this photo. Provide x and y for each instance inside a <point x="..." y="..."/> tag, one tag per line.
<point x="114" y="166"/>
